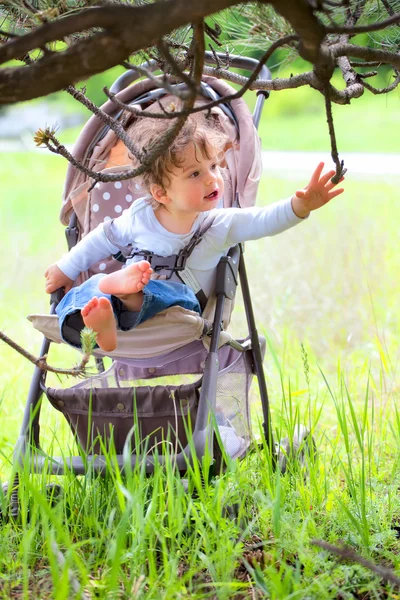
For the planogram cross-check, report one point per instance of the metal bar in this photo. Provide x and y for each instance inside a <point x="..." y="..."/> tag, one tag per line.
<point x="59" y="465"/>
<point x="237" y="62"/>
<point x="256" y="351"/>
<point x="30" y="429"/>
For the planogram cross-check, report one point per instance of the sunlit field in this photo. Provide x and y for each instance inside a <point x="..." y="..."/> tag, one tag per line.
<point x="326" y="296"/>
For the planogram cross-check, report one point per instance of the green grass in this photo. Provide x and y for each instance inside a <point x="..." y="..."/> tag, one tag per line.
<point x="326" y="295"/>
<point x="295" y="119"/>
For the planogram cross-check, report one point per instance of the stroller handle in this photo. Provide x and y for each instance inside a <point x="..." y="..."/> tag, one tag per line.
<point x="238" y="62"/>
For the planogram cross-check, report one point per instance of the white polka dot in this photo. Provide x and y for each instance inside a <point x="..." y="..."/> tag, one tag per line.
<point x="118" y="208"/>
<point x="138" y="186"/>
<point x="118" y="185"/>
<point x="128" y="198"/>
<point x="98" y="184"/>
<point x="124" y="266"/>
<point x="102" y="266"/>
<point x="106" y="196"/>
<point x="107" y="218"/>
<point x="95" y="207"/>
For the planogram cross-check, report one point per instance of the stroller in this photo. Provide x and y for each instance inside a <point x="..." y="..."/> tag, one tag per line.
<point x="104" y="408"/>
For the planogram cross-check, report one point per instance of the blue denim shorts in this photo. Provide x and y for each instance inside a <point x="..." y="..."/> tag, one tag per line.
<point x="157" y="296"/>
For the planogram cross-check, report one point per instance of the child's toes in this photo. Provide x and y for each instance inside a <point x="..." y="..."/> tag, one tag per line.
<point x="104" y="303"/>
<point x="144" y="265"/>
<point x="89" y="306"/>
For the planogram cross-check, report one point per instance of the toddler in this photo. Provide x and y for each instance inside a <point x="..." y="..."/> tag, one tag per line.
<point x="184" y="187"/>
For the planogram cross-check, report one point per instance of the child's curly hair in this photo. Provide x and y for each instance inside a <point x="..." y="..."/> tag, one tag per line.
<point x="204" y="131"/>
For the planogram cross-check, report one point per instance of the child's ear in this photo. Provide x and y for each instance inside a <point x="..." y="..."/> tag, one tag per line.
<point x="159" y="194"/>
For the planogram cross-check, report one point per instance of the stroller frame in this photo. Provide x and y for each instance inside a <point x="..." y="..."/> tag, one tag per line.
<point x="230" y="269"/>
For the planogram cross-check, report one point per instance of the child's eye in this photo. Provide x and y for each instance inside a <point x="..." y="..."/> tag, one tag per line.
<point x="195" y="174"/>
<point x="214" y="166"/>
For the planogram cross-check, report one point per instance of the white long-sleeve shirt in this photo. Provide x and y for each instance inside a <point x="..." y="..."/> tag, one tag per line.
<point x="139" y="226"/>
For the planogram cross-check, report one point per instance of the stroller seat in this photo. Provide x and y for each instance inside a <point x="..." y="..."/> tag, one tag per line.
<point x="167" y="331"/>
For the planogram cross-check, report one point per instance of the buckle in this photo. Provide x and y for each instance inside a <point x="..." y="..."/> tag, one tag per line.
<point x="144" y="254"/>
<point x="173" y="263"/>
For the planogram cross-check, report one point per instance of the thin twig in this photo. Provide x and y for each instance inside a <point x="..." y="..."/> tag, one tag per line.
<point x="29" y="6"/>
<point x="162" y="83"/>
<point x="8" y="34"/>
<point x="199" y="48"/>
<point x="393" y="20"/>
<point x="178" y="72"/>
<point x="134" y="110"/>
<point x="216" y="57"/>
<point x="340" y="171"/>
<point x="388" y="7"/>
<point x="52" y="144"/>
<point x="367" y="75"/>
<point x="385" y="90"/>
<point x="41" y="362"/>
<point x="213" y="33"/>
<point x="371" y="63"/>
<point x="346" y="553"/>
<point x="107" y="120"/>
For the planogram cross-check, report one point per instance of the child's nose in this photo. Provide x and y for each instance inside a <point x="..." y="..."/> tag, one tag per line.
<point x="211" y="176"/>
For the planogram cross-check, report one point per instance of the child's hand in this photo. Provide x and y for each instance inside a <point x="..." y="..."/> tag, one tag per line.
<point x="317" y="193"/>
<point x="56" y="279"/>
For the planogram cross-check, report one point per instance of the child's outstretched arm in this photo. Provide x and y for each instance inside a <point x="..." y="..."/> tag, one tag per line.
<point x="56" y="279"/>
<point x="316" y="194"/>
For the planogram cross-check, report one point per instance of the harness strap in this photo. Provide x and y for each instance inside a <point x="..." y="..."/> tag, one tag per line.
<point x="175" y="264"/>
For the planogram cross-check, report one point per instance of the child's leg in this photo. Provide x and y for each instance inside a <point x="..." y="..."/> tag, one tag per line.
<point x="136" y="298"/>
<point x="121" y="300"/>
<point x="70" y="307"/>
<point x="158" y="295"/>
<point x="127" y="284"/>
<point x="98" y="314"/>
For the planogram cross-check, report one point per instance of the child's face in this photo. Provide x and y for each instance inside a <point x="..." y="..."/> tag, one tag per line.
<point x="196" y="185"/>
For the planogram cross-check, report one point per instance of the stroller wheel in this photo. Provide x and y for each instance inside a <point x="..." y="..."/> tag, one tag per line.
<point x="219" y="462"/>
<point x="9" y="503"/>
<point x="3" y="502"/>
<point x="298" y="449"/>
<point x="232" y="512"/>
<point x="54" y="493"/>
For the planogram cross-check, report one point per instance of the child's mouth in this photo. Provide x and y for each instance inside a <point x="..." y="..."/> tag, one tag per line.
<point x="213" y="195"/>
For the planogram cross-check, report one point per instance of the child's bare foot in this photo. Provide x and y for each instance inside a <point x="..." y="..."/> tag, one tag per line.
<point x="99" y="316"/>
<point x="127" y="281"/>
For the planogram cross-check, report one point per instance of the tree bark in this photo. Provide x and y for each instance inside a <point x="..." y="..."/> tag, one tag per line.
<point x="126" y="29"/>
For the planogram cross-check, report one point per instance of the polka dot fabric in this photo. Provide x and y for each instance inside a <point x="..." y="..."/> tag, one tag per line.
<point x="107" y="201"/>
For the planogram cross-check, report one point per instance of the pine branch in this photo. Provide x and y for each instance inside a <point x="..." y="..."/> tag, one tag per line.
<point x="88" y="338"/>
<point x="385" y="90"/>
<point x="160" y="82"/>
<point x="346" y="553"/>
<point x="248" y="83"/>
<point x="340" y="170"/>
<point x="107" y="120"/>
<point x="354" y="30"/>
<point x="46" y="137"/>
<point x="175" y="68"/>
